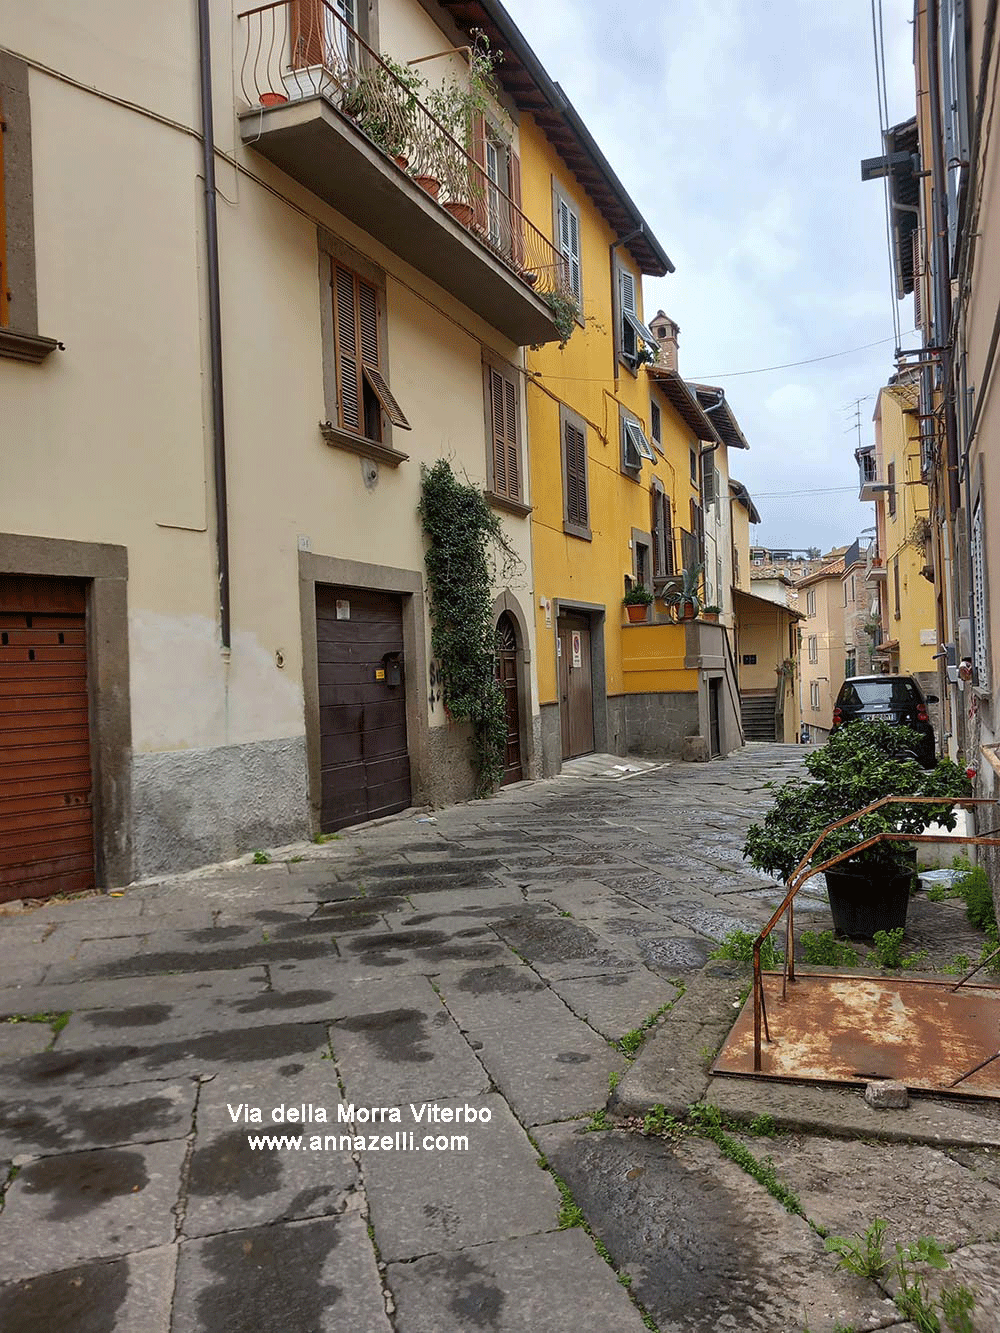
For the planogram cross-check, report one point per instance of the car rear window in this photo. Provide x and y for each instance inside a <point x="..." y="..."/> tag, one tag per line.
<point x="863" y="692"/>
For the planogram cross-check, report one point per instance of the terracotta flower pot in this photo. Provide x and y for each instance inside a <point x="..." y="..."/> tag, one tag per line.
<point x="429" y="183"/>
<point x="272" y="99"/>
<point x="401" y="161"/>
<point x="460" y="212"/>
<point x="686" y="612"/>
<point x="636" y="613"/>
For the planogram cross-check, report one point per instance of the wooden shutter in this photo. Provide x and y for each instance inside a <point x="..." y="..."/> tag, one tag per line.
<point x="568" y="239"/>
<point x="4" y="279"/>
<point x="510" y="440"/>
<point x="307" y="33"/>
<point x="349" y="393"/>
<point x="668" y="536"/>
<point x="626" y="295"/>
<point x="656" y="532"/>
<point x="516" y="216"/>
<point x="707" y="479"/>
<point x="575" y="450"/>
<point x="498" y="430"/>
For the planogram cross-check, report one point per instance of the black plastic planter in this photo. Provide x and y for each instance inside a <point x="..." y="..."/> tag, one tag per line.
<point x="863" y="903"/>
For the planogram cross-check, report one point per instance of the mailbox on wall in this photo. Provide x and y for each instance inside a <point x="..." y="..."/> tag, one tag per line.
<point x="392" y="665"/>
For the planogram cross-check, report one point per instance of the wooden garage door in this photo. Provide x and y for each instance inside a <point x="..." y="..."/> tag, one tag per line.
<point x="46" y="820"/>
<point x="362" y="706"/>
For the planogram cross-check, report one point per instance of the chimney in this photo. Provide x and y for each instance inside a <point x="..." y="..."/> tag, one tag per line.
<point x="666" y="332"/>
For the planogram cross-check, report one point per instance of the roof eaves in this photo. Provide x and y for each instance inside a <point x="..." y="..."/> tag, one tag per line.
<point x="681" y="398"/>
<point x="729" y="428"/>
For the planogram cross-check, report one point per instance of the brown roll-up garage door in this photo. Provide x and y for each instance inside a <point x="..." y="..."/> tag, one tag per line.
<point x="362" y="705"/>
<point x="46" y="820"/>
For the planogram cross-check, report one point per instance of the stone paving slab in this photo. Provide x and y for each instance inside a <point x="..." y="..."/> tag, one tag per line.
<point x="59" y="996"/>
<point x="976" y="1267"/>
<point x="155" y="1022"/>
<point x="617" y="1002"/>
<point x="105" y="960"/>
<point x="425" y="1202"/>
<point x="18" y="1039"/>
<point x="106" y="1203"/>
<point x="264" y="1186"/>
<point x="921" y="1191"/>
<point x="132" y="1293"/>
<point x="44" y="1123"/>
<point x="190" y="1056"/>
<point x="671" y="1069"/>
<point x="706" y="1247"/>
<point x="403" y="1045"/>
<point x="299" y="1277"/>
<point x="508" y="1287"/>
<point x="562" y="1071"/>
<point x="842" y="1111"/>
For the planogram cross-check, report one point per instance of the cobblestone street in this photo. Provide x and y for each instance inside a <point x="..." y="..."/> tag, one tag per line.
<point x="486" y="959"/>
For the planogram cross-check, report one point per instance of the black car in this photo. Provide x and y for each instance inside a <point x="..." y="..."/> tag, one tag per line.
<point x="888" y="699"/>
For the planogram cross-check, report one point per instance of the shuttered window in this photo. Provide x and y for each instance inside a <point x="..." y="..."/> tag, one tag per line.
<point x="363" y="392"/>
<point x="662" y="533"/>
<point x="576" y="508"/>
<point x="567" y="228"/>
<point x="504" y="433"/>
<point x="626" y="297"/>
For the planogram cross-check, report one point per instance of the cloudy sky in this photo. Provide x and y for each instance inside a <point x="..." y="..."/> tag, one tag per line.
<point x="738" y="127"/>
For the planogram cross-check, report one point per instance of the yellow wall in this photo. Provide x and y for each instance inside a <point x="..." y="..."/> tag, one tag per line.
<point x="897" y="442"/>
<point x="586" y="376"/>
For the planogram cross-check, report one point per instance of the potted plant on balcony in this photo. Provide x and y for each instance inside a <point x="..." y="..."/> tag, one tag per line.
<point x="686" y="599"/>
<point x="711" y="614"/>
<point x="636" y="602"/>
<point x="457" y="106"/>
<point x="384" y="105"/>
<point x="860" y="763"/>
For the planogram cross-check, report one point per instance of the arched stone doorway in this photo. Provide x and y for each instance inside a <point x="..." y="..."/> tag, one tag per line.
<point x="507" y="677"/>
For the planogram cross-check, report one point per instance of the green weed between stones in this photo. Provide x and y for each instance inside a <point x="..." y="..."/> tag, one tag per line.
<point x="56" y="1021"/>
<point x="630" y="1042"/>
<point x="599" y="1121"/>
<point x="320" y="838"/>
<point x="707" y="1122"/>
<point x="888" y="950"/>
<point x="738" y="947"/>
<point x="825" y="950"/>
<point x="261" y="859"/>
<point x="864" y="1255"/>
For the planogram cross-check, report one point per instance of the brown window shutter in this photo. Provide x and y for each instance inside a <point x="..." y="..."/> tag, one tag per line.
<point x="480" y="180"/>
<point x="510" y="440"/>
<point x="668" y="537"/>
<point x="368" y="323"/>
<point x="4" y="280"/>
<point x="516" y="217"/>
<point x="575" y="445"/>
<point x="307" y="33"/>
<point x="656" y="531"/>
<point x="497" y="416"/>
<point x="346" y="337"/>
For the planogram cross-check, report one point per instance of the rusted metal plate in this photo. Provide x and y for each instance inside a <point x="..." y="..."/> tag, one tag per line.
<point x="849" y="1029"/>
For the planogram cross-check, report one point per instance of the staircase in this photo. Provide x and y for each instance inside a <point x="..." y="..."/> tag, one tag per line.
<point x="757" y="713"/>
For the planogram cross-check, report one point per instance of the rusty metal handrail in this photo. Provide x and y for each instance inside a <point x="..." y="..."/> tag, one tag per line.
<point x="296" y="50"/>
<point x="804" y="872"/>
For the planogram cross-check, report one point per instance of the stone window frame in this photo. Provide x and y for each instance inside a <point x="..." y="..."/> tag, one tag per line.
<point x="19" y="336"/>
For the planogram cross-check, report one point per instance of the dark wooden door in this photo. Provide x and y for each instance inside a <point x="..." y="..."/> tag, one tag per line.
<point x="576" y="697"/>
<point x="506" y="641"/>
<point x="365" y="765"/>
<point x="714" y="715"/>
<point x="46" y="815"/>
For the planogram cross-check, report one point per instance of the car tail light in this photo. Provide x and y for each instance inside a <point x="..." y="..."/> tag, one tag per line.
<point x="922" y="714"/>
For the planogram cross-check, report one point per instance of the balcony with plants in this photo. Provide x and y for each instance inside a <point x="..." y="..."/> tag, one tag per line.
<point x="404" y="160"/>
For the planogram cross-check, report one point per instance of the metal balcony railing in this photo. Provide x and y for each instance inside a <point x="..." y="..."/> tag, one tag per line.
<point x="297" y="49"/>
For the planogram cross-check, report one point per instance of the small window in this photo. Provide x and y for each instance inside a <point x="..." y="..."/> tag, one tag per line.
<point x="890" y="477"/>
<point x="661" y="532"/>
<point x="693" y="465"/>
<point x="576" y="500"/>
<point x="635" y="446"/>
<point x="811" y="602"/>
<point x="813" y="649"/>
<point x="707" y="478"/>
<point x="567" y="234"/>
<point x="633" y="335"/>
<point x="363" y="393"/>
<point x="655" y="426"/>
<point x="895" y="589"/>
<point x="643" y="563"/>
<point x="814" y="696"/>
<point x="504" y="431"/>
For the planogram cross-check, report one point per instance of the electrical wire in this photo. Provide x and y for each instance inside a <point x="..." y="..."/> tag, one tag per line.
<point x="878" y="42"/>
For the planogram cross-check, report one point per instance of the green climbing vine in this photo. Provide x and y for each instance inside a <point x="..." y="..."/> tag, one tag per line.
<point x="466" y="551"/>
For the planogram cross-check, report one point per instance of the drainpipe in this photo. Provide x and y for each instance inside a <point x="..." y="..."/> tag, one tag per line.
<point x="214" y="322"/>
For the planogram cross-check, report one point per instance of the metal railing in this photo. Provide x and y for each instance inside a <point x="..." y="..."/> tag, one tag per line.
<point x="804" y="871"/>
<point x="297" y="49"/>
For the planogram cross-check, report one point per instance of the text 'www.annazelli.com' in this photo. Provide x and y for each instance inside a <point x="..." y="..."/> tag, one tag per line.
<point x="401" y="1141"/>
